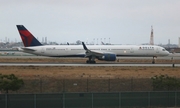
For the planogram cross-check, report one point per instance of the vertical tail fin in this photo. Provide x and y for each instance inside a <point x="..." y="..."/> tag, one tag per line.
<point x="27" y="38"/>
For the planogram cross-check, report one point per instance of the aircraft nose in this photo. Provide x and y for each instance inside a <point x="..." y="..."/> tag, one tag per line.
<point x="167" y="53"/>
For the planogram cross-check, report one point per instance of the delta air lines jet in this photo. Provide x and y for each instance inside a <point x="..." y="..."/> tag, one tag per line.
<point x="92" y="52"/>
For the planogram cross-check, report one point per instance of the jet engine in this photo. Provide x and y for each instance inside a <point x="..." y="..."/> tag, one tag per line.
<point x="107" y="57"/>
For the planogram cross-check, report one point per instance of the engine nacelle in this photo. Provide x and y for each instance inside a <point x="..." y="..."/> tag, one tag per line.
<point x="107" y="57"/>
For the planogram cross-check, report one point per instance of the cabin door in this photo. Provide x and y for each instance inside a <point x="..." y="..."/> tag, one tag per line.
<point x="42" y="50"/>
<point x="131" y="50"/>
<point x="67" y="50"/>
<point x="157" y="50"/>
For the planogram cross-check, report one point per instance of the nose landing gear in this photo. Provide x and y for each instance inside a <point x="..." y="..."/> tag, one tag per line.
<point x="154" y="60"/>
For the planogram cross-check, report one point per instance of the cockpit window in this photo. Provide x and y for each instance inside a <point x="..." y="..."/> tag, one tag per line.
<point x="163" y="50"/>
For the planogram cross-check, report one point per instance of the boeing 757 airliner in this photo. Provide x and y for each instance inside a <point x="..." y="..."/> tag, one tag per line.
<point x="92" y="52"/>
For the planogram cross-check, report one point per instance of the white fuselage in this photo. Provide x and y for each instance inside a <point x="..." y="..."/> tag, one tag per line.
<point x="78" y="51"/>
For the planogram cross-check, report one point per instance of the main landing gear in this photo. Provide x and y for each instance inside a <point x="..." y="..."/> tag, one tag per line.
<point x="91" y="60"/>
<point x="154" y="60"/>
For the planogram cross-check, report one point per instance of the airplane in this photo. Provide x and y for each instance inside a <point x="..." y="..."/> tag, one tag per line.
<point x="92" y="52"/>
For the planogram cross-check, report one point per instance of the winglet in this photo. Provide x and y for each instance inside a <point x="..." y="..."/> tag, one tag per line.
<point x="84" y="46"/>
<point x="27" y="38"/>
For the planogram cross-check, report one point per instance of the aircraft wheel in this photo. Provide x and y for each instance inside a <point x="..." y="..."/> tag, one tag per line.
<point x="153" y="60"/>
<point x="93" y="62"/>
<point x="87" y="61"/>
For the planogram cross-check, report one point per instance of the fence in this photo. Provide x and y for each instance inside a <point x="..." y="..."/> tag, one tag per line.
<point x="91" y="100"/>
<point x="51" y="85"/>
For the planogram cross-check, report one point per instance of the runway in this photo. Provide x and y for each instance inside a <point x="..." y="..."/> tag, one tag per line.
<point x="83" y="64"/>
<point x="175" y="57"/>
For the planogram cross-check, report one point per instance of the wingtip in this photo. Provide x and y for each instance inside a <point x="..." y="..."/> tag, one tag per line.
<point x="84" y="46"/>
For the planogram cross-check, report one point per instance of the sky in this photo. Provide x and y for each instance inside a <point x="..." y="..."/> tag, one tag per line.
<point x="114" y="21"/>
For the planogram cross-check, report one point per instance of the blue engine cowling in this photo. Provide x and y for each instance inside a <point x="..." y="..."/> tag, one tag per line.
<point x="107" y="57"/>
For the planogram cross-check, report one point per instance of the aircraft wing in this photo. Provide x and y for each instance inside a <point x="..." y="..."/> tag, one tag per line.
<point x="89" y="52"/>
<point x="94" y="52"/>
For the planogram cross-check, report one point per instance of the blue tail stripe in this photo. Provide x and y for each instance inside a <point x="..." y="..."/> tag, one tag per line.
<point x="35" y="42"/>
<point x="21" y="27"/>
